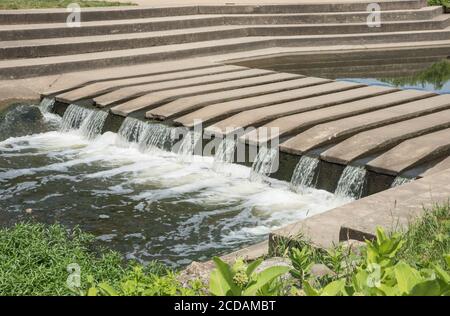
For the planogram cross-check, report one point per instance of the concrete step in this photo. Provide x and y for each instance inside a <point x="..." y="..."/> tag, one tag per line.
<point x="219" y="111"/>
<point x="153" y="83"/>
<point x="392" y="209"/>
<point x="438" y="168"/>
<point x="184" y="105"/>
<point x="335" y="131"/>
<point x="57" y="30"/>
<point x="318" y="111"/>
<point x="383" y="138"/>
<point x="88" y="44"/>
<point x="155" y="99"/>
<point x="20" y="68"/>
<point x="136" y="12"/>
<point x="413" y="152"/>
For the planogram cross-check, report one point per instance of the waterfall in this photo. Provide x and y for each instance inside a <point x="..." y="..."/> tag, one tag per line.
<point x="131" y="130"/>
<point x="93" y="124"/>
<point x="399" y="180"/>
<point x="46" y="105"/>
<point x="189" y="143"/>
<point x="73" y="117"/>
<point x="351" y="183"/>
<point x="155" y="136"/>
<point x="303" y="175"/>
<point x="225" y="151"/>
<point x="263" y="163"/>
<point x="224" y="154"/>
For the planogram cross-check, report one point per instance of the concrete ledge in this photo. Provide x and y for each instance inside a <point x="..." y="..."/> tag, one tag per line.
<point x="393" y="209"/>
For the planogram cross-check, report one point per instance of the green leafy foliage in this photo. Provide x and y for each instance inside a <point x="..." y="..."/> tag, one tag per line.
<point x="139" y="283"/>
<point x="445" y="3"/>
<point x="242" y="280"/>
<point x="383" y="274"/>
<point x="437" y="74"/>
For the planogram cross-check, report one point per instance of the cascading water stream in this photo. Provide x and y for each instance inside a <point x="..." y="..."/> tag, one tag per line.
<point x="399" y="180"/>
<point x="188" y="144"/>
<point x="351" y="183"/>
<point x="304" y="173"/>
<point x="46" y="105"/>
<point x="155" y="136"/>
<point x="130" y="131"/>
<point x="92" y="126"/>
<point x="88" y="122"/>
<point x="264" y="163"/>
<point x="74" y="117"/>
<point x="224" y="153"/>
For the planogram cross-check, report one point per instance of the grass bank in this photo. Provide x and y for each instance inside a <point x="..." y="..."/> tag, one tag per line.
<point x="42" y="4"/>
<point x="36" y="259"/>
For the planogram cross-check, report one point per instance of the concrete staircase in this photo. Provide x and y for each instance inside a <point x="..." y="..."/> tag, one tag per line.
<point x="38" y="42"/>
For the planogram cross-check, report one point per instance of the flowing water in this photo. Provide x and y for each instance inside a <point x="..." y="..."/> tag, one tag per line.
<point x="399" y="180"/>
<point x="351" y="183"/>
<point x="304" y="173"/>
<point x="134" y="197"/>
<point x="264" y="163"/>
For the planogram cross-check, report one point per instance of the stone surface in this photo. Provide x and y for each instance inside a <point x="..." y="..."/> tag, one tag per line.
<point x="439" y="167"/>
<point x="293" y="123"/>
<point x="335" y="131"/>
<point x="100" y="88"/>
<point x="242" y="79"/>
<point x="224" y="109"/>
<point x="319" y="270"/>
<point x="392" y="209"/>
<point x="379" y="139"/>
<point x="183" y="105"/>
<point x="412" y="152"/>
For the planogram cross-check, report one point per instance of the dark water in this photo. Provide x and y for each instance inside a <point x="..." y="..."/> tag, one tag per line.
<point x="145" y="202"/>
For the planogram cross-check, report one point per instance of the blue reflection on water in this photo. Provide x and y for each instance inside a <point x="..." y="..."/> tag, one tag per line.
<point x="426" y="87"/>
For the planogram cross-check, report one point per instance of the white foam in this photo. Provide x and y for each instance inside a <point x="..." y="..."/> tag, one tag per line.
<point x="241" y="208"/>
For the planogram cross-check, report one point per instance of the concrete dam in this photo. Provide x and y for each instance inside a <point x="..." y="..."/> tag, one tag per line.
<point x="263" y="86"/>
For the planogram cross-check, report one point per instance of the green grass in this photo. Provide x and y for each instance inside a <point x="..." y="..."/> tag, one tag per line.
<point x="41" y="4"/>
<point x="428" y="238"/>
<point x="445" y="3"/>
<point x="34" y="259"/>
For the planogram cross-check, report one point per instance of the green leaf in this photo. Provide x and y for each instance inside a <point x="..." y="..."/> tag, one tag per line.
<point x="92" y="292"/>
<point x="309" y="290"/>
<point x="447" y="260"/>
<point x="426" y="288"/>
<point x="218" y="286"/>
<point x="265" y="277"/>
<point x="442" y="274"/>
<point x="406" y="276"/>
<point x="252" y="266"/>
<point x="226" y="275"/>
<point x="334" y="288"/>
<point x="107" y="289"/>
